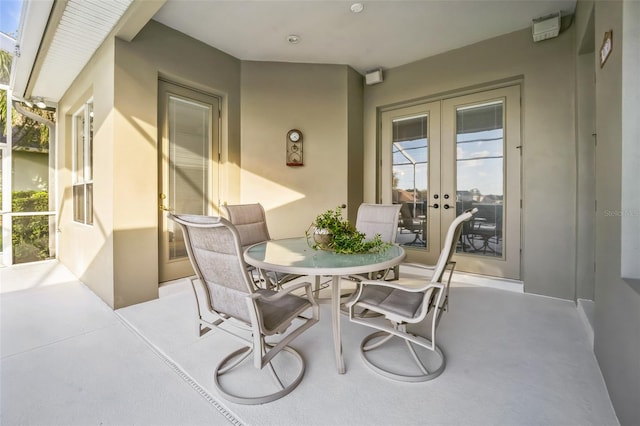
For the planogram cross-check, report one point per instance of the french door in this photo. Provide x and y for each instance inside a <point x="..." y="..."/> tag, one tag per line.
<point x="443" y="157"/>
<point x="187" y="168"/>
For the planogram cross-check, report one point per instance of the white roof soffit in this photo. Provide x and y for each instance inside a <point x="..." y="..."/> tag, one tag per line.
<point x="33" y="21"/>
<point x="81" y="29"/>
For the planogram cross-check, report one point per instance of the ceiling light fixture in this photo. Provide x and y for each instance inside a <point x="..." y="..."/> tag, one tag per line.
<point x="39" y="102"/>
<point x="293" y="39"/>
<point x="357" y="7"/>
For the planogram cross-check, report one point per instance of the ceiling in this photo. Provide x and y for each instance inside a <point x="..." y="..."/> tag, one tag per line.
<point x="59" y="37"/>
<point x="385" y="34"/>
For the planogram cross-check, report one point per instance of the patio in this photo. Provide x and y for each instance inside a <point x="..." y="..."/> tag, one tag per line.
<point x="514" y="359"/>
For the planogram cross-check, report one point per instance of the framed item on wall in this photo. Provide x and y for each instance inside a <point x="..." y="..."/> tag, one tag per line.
<point x="607" y="46"/>
<point x="294" y="148"/>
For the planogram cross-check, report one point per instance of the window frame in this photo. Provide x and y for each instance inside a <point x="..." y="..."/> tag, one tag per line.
<point x="83" y="206"/>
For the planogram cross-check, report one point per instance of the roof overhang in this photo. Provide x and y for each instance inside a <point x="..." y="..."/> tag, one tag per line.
<point x="58" y="38"/>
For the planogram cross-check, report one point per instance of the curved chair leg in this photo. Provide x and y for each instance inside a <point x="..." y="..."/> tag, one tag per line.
<point x="425" y="374"/>
<point x="242" y="354"/>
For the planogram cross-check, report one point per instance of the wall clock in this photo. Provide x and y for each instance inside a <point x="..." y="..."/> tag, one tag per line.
<point x="294" y="148"/>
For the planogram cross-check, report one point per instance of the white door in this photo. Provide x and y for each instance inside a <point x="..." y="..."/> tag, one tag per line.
<point x="441" y="158"/>
<point x="188" y="168"/>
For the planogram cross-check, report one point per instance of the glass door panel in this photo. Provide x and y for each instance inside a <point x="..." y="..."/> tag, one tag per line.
<point x="410" y="163"/>
<point x="410" y="155"/>
<point x="481" y="137"/>
<point x="189" y="154"/>
<point x="188" y="168"/>
<point x="480" y="176"/>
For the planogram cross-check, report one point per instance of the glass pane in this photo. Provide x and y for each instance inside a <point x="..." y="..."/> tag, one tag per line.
<point x="1" y="186"/>
<point x="3" y="116"/>
<point x="79" y="148"/>
<point x="410" y="155"/>
<point x="480" y="176"/>
<point x="30" y="201"/>
<point x="1" y="199"/>
<point x="1" y="243"/>
<point x="31" y="240"/>
<point x="189" y="153"/>
<point x="89" y="203"/>
<point x="5" y="67"/>
<point x="78" y="203"/>
<point x="89" y="155"/>
<point x="177" y="247"/>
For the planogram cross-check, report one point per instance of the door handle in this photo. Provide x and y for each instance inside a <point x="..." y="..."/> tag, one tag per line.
<point x="446" y="207"/>
<point x="435" y="205"/>
<point x="161" y="204"/>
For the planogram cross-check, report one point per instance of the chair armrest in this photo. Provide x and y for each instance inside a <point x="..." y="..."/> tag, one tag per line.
<point x="406" y="284"/>
<point x="280" y="294"/>
<point x="414" y="285"/>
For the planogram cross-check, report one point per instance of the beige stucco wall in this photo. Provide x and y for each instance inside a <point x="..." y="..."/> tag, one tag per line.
<point x="157" y="51"/>
<point x="117" y="257"/>
<point x="546" y="70"/>
<point x="585" y="150"/>
<point x="88" y="250"/>
<point x="617" y="300"/>
<point x="355" y="150"/>
<point x="277" y="97"/>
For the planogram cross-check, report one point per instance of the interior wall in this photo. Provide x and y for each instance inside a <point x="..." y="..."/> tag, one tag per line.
<point x="617" y="307"/>
<point x="88" y="250"/>
<point x="548" y="137"/>
<point x="355" y="149"/>
<point x="630" y="205"/>
<point x="313" y="98"/>
<point x="585" y="151"/>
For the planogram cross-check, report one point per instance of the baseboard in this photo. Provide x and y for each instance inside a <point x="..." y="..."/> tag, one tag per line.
<point x="586" y="311"/>
<point x="467" y="278"/>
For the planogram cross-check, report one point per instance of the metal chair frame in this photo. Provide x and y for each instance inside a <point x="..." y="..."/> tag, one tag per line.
<point x="378" y="296"/>
<point x="255" y="343"/>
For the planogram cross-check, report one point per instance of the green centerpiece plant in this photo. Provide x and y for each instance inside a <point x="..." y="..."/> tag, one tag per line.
<point x="329" y="231"/>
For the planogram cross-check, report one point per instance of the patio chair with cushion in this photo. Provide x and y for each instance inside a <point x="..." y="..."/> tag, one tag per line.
<point x="379" y="219"/>
<point x="251" y="222"/>
<point x="233" y="305"/>
<point x="408" y="306"/>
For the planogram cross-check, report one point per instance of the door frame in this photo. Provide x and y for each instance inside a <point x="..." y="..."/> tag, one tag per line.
<point x="510" y="264"/>
<point x="170" y="269"/>
<point x="512" y="93"/>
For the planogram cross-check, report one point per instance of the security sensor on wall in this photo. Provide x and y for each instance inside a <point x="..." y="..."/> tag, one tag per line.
<point x="546" y="27"/>
<point x="373" y="77"/>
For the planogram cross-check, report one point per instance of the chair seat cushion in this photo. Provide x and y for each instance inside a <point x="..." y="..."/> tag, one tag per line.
<point x="282" y="311"/>
<point x="392" y="300"/>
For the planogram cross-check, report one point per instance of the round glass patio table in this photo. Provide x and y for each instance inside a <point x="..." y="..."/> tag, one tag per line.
<point x="294" y="256"/>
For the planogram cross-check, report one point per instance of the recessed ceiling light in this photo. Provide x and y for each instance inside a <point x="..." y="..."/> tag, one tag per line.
<point x="357" y="7"/>
<point x="293" y="39"/>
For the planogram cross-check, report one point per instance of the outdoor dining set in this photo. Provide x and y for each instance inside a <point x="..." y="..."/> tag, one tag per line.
<point x="266" y="292"/>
